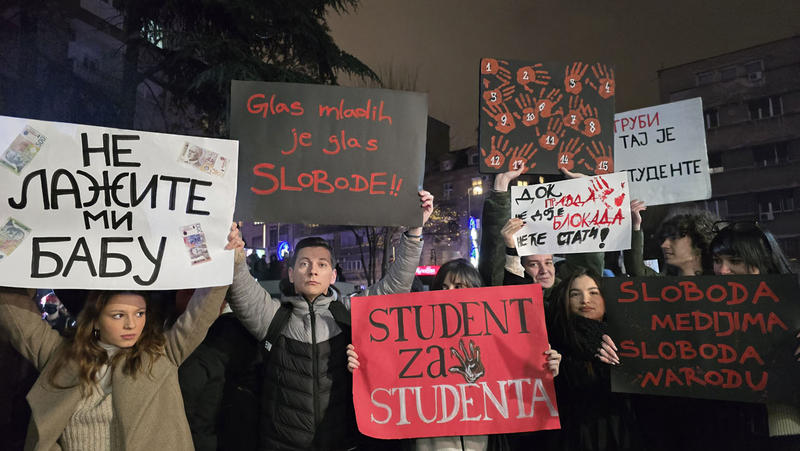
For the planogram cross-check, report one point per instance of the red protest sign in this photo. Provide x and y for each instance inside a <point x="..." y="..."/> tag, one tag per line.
<point x="452" y="362"/>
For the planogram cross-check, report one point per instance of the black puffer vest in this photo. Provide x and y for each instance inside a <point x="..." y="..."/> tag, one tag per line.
<point x="307" y="400"/>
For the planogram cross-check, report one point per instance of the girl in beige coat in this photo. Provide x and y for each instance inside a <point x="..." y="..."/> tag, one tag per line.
<point x="113" y="384"/>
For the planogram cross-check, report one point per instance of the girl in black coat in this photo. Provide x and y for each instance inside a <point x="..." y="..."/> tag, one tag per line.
<point x="592" y="418"/>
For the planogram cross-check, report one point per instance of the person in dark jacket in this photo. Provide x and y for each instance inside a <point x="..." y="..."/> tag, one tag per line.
<point x="307" y="399"/>
<point x="219" y="383"/>
<point x="684" y="237"/>
<point x="744" y="247"/>
<point x="592" y="417"/>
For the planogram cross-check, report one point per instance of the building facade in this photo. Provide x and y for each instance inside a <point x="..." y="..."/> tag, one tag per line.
<point x="65" y="62"/>
<point x="751" y="101"/>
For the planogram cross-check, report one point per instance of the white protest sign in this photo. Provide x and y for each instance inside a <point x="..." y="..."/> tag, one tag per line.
<point x="664" y="150"/>
<point x="587" y="214"/>
<point x="103" y="208"/>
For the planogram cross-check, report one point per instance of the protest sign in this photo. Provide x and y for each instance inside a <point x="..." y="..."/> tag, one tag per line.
<point x="546" y="115"/>
<point x="716" y="337"/>
<point x="452" y="362"/>
<point x="328" y="155"/>
<point x="104" y="208"/>
<point x="664" y="150"/>
<point x="587" y="214"/>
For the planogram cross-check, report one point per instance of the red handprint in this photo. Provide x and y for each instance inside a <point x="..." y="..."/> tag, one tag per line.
<point x="503" y="120"/>
<point x="496" y="156"/>
<point x="520" y="156"/>
<point x="574" y="118"/>
<point x="606" y="86"/>
<point x="567" y="151"/>
<point x="528" y="114"/>
<point x="555" y="131"/>
<point x="491" y="66"/>
<point x="498" y="68"/>
<point x="546" y="103"/>
<point x="603" y="190"/>
<point x="532" y="74"/>
<point x="572" y="77"/>
<point x="500" y="94"/>
<point x="591" y="126"/>
<point x="601" y="154"/>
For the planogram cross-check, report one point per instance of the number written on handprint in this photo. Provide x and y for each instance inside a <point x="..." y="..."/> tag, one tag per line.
<point x="564" y="159"/>
<point x="603" y="165"/>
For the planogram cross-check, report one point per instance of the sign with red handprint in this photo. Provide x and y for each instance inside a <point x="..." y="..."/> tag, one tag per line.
<point x="545" y="104"/>
<point x="586" y="214"/>
<point x="452" y="362"/>
<point x="663" y="149"/>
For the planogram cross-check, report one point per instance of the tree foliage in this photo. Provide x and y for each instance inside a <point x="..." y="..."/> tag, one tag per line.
<point x="207" y="43"/>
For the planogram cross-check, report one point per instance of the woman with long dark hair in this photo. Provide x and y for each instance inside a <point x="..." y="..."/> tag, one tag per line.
<point x="741" y="248"/>
<point x="592" y="417"/>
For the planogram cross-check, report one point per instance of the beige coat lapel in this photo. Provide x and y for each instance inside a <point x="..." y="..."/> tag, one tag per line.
<point x="133" y="397"/>
<point x="51" y="408"/>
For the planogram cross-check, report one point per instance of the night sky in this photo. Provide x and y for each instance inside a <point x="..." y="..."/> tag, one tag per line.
<point x="441" y="41"/>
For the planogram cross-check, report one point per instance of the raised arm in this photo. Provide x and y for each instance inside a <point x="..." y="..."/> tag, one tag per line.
<point x="203" y="308"/>
<point x="634" y="257"/>
<point x="399" y="277"/>
<point x="496" y="211"/>
<point x="190" y="329"/>
<point x="28" y="333"/>
<point x="251" y="303"/>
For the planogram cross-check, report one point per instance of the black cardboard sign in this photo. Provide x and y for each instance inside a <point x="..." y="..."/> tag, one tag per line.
<point x="548" y="115"/>
<point x="715" y="337"/>
<point x="328" y="154"/>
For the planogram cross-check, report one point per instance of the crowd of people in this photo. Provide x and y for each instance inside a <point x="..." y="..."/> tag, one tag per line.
<point x="241" y="369"/>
